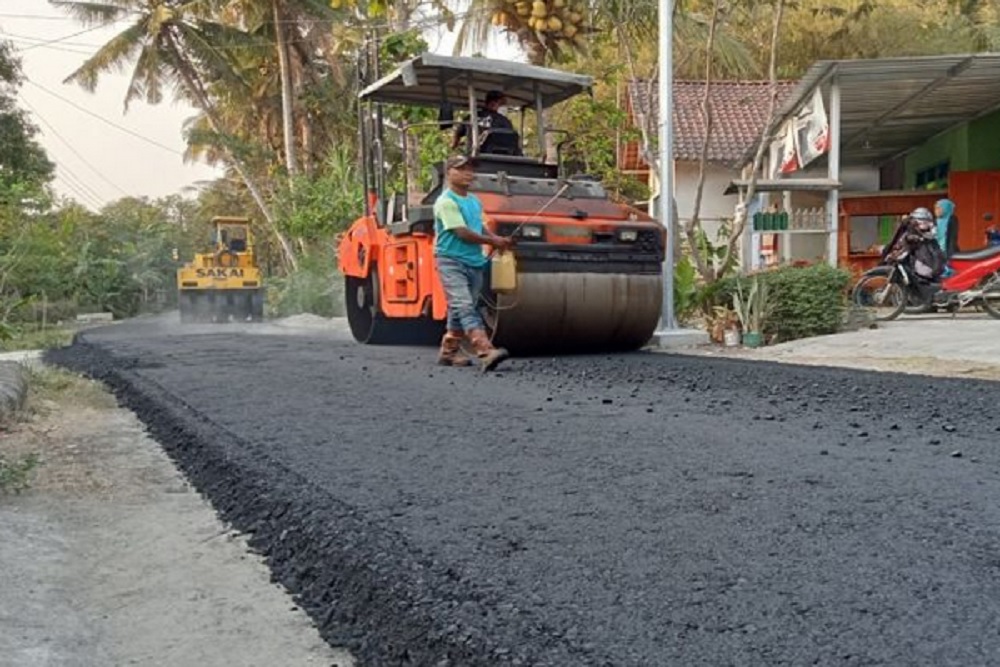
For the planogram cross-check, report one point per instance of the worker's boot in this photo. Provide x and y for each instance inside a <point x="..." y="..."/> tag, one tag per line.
<point x="451" y="350"/>
<point x="489" y="356"/>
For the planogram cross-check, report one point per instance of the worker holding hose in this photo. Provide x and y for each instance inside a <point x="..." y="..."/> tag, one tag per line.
<point x="460" y="235"/>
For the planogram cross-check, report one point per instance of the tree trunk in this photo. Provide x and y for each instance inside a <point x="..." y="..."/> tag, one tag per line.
<point x="705" y="265"/>
<point x="287" y="90"/>
<point x="740" y="219"/>
<point x="191" y="83"/>
<point x="308" y="144"/>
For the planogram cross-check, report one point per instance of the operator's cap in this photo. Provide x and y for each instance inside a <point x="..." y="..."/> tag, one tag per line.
<point x="494" y="95"/>
<point x="460" y="162"/>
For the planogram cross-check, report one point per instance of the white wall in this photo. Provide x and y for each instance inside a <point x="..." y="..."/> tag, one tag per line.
<point x="715" y="206"/>
<point x="852" y="179"/>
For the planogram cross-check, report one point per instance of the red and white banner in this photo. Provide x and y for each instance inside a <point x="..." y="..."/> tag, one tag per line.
<point x="812" y="130"/>
<point x="788" y="160"/>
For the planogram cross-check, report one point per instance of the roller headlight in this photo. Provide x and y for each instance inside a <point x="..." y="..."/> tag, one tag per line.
<point x="628" y="235"/>
<point x="531" y="232"/>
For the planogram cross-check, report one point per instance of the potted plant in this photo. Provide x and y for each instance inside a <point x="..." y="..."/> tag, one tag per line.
<point x="752" y="306"/>
<point x="724" y="326"/>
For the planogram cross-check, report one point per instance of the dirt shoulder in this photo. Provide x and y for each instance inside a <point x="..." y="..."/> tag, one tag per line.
<point x="111" y="558"/>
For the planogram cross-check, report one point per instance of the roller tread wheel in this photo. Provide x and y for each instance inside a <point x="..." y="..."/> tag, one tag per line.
<point x="257" y="306"/>
<point x="186" y="306"/>
<point x="369" y="326"/>
<point x="991" y="296"/>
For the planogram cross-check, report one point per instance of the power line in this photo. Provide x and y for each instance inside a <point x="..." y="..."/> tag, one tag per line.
<point x="29" y="38"/>
<point x="84" y="160"/>
<point x="37" y="17"/>
<point x="78" y="187"/>
<point x="57" y="40"/>
<point x="19" y="45"/>
<point x="104" y="120"/>
<point x="428" y="22"/>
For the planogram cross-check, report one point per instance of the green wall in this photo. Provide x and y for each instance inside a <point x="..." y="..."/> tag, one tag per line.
<point x="952" y="146"/>
<point x="974" y="146"/>
<point x="984" y="143"/>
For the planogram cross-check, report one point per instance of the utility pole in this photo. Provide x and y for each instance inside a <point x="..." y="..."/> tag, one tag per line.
<point x="668" y="334"/>
<point x="667" y="320"/>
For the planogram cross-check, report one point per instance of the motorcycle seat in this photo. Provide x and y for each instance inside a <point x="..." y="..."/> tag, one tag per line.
<point x="976" y="255"/>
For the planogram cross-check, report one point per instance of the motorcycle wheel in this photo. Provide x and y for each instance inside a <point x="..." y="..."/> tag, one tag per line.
<point x="991" y="296"/>
<point x="876" y="293"/>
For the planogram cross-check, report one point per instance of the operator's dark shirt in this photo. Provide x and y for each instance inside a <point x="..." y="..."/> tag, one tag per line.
<point x="502" y="142"/>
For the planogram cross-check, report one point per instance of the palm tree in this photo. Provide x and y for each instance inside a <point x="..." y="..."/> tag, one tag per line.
<point x="290" y="26"/>
<point x="170" y="43"/>
<point x="552" y="29"/>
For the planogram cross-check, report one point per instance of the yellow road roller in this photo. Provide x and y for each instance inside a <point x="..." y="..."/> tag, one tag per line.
<point x="225" y="284"/>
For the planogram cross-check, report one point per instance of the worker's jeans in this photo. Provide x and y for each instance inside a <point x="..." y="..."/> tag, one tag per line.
<point x="462" y="285"/>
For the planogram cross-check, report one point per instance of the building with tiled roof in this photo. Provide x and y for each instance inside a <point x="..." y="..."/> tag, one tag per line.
<point x="739" y="110"/>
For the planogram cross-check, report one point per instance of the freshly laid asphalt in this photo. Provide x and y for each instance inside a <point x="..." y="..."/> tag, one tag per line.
<point x="638" y="509"/>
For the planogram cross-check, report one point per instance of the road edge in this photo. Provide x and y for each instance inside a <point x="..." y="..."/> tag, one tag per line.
<point x="366" y="591"/>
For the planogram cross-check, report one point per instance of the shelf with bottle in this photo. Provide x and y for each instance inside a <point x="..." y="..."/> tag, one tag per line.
<point x="801" y="221"/>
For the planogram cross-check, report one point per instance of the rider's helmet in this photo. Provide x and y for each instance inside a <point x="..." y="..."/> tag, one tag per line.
<point x="922" y="215"/>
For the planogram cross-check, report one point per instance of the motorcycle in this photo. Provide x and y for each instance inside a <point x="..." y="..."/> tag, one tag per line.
<point x="894" y="287"/>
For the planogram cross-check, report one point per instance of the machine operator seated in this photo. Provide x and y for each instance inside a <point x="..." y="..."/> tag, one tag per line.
<point x="496" y="133"/>
<point x="232" y="239"/>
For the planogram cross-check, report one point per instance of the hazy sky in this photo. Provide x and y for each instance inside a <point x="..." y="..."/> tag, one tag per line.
<point x="97" y="162"/>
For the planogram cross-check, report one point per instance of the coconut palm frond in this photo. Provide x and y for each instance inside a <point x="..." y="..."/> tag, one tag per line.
<point x="147" y="78"/>
<point x="113" y="56"/>
<point x="95" y="13"/>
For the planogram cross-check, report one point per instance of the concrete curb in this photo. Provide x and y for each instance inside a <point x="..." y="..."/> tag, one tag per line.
<point x="13" y="388"/>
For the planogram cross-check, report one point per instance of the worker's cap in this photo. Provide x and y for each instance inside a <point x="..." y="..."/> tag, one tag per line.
<point x="460" y="162"/>
<point x="494" y="95"/>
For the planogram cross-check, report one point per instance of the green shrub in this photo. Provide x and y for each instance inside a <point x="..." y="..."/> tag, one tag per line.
<point x="685" y="289"/>
<point x="317" y="287"/>
<point x="805" y="301"/>
<point x="37" y="310"/>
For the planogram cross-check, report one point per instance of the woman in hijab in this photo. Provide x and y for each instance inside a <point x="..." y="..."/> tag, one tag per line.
<point x="947" y="226"/>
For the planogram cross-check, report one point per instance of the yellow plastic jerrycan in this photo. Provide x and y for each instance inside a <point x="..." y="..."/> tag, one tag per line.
<point x="503" y="272"/>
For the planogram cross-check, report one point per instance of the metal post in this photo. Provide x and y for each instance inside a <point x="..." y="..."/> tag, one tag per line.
<point x="667" y="320"/>
<point x="833" y="172"/>
<point x="540" y="123"/>
<point x="786" y="238"/>
<point x="473" y="118"/>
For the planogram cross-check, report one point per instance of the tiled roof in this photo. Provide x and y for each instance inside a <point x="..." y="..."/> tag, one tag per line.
<point x="739" y="110"/>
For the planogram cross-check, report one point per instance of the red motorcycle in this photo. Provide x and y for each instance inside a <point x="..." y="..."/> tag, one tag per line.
<point x="895" y="286"/>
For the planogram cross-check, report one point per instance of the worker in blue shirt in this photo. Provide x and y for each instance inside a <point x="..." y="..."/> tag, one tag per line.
<point x="460" y="236"/>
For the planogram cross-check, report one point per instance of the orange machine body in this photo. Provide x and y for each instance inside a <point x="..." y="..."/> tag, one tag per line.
<point x="408" y="284"/>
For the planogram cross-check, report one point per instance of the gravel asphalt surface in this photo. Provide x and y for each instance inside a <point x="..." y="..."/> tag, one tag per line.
<point x="639" y="509"/>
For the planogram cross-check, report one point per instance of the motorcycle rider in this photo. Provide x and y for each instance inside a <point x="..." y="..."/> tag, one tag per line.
<point x="916" y="244"/>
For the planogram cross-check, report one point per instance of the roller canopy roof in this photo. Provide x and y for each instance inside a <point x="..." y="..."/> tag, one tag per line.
<point x="430" y="80"/>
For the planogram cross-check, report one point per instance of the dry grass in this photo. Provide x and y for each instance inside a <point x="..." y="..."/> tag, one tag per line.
<point x="44" y="448"/>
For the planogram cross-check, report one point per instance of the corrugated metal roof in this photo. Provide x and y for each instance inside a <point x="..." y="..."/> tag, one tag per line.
<point x="430" y="79"/>
<point x="890" y="106"/>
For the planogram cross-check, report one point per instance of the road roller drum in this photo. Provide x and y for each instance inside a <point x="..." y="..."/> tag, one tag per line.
<point x="577" y="312"/>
